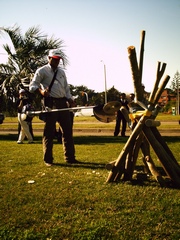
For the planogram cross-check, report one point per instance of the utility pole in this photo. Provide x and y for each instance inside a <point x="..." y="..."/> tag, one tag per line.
<point x="177" y="83"/>
<point x="105" y="82"/>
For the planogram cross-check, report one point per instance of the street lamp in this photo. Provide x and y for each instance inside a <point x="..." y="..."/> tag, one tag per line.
<point x="105" y="83"/>
<point x="177" y="96"/>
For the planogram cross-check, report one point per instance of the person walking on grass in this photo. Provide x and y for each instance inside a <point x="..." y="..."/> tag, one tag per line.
<point x="50" y="81"/>
<point x="24" y="121"/>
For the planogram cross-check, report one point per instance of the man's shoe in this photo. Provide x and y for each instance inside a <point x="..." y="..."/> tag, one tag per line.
<point x="73" y="161"/>
<point x="48" y="164"/>
<point x="19" y="142"/>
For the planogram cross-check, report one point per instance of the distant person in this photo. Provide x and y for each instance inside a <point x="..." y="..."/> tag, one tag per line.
<point x="145" y="95"/>
<point x="24" y="121"/>
<point x="131" y="102"/>
<point x="120" y="117"/>
<point x="56" y="97"/>
<point x="85" y="99"/>
<point x="132" y="97"/>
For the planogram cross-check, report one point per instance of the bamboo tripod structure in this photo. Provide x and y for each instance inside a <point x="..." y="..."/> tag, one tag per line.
<point x="145" y="133"/>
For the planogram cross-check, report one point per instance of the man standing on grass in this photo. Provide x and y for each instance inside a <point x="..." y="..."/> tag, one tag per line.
<point x="55" y="97"/>
<point x="120" y="117"/>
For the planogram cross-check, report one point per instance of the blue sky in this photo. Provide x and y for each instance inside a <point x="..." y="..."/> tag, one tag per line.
<point x="103" y="30"/>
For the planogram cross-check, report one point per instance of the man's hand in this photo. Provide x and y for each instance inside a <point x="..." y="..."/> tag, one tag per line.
<point x="72" y="103"/>
<point x="44" y="92"/>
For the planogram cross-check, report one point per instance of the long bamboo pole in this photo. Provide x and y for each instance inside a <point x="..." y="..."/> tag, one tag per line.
<point x="159" y="73"/>
<point x="135" y="73"/>
<point x="145" y="147"/>
<point x="122" y="156"/>
<point x="161" y="89"/>
<point x="166" y="148"/>
<point x="141" y="58"/>
<point x="164" y="158"/>
<point x="132" y="159"/>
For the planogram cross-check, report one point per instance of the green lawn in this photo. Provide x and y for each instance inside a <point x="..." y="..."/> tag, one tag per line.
<point x="75" y="202"/>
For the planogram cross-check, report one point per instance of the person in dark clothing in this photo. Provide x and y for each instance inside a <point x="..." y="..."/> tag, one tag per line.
<point x="120" y="117"/>
<point x="23" y="120"/>
<point x="51" y="82"/>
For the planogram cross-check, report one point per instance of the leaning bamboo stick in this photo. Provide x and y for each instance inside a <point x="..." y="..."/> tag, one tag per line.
<point x="131" y="161"/>
<point x="161" y="89"/>
<point x="154" y="171"/>
<point x="146" y="152"/>
<point x="122" y="156"/>
<point x="135" y="73"/>
<point x="152" y="123"/>
<point x="164" y="158"/>
<point x="127" y="176"/>
<point x="167" y="149"/>
<point x="141" y="55"/>
<point x="159" y="74"/>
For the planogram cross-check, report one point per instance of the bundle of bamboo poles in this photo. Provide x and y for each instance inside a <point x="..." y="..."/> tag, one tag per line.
<point x="145" y="131"/>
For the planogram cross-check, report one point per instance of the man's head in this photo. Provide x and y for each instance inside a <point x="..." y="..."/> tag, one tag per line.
<point x="123" y="96"/>
<point x="54" y="57"/>
<point x="55" y="53"/>
<point x="132" y="96"/>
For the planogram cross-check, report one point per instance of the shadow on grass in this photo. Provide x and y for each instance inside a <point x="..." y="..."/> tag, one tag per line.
<point x="79" y="140"/>
<point x="93" y="140"/>
<point x="14" y="137"/>
<point x="90" y="165"/>
<point x="83" y="140"/>
<point x="143" y="179"/>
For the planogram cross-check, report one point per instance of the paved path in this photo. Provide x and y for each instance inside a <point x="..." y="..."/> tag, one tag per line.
<point x="95" y="132"/>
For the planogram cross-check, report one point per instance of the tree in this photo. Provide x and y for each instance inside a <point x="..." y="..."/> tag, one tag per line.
<point x="28" y="52"/>
<point x="83" y="95"/>
<point x="175" y="86"/>
<point x="113" y="94"/>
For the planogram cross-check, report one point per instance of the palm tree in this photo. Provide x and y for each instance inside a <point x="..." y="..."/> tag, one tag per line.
<point x="28" y="53"/>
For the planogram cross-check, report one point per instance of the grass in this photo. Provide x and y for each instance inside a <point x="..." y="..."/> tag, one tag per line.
<point x="75" y="202"/>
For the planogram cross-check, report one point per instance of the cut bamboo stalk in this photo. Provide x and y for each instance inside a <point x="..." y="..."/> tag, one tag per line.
<point x="152" y="123"/>
<point x="167" y="149"/>
<point x="154" y="171"/>
<point x="159" y="74"/>
<point x="145" y="147"/>
<point x="164" y="158"/>
<point x="127" y="175"/>
<point x="125" y="150"/>
<point x="161" y="89"/>
<point x="145" y="142"/>
<point x="135" y="73"/>
<point x="131" y="161"/>
<point x="141" y="58"/>
<point x="109" y="166"/>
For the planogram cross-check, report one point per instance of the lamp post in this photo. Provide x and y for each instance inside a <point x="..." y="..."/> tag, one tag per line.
<point x="177" y="96"/>
<point x="105" y="83"/>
